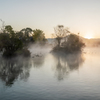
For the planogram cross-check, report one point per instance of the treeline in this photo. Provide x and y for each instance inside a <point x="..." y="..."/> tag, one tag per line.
<point x="15" y="43"/>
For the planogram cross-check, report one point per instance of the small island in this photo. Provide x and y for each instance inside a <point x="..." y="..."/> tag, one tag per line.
<point x="66" y="41"/>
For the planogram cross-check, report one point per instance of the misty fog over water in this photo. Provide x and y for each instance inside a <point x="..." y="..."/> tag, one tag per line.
<point x="51" y="76"/>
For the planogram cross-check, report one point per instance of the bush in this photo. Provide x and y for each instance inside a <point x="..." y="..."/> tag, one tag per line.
<point x="74" y="43"/>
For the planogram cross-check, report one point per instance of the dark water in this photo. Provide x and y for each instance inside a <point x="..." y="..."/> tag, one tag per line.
<point x="52" y="77"/>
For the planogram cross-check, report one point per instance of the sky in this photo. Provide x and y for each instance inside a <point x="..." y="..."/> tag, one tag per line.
<point x="80" y="16"/>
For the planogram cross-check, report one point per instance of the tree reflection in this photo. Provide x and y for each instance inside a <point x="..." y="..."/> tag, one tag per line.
<point x="65" y="63"/>
<point x="38" y="61"/>
<point x="13" y="69"/>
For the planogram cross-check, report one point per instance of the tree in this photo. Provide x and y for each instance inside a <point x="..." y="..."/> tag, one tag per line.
<point x="60" y="33"/>
<point x="9" y="30"/>
<point x="19" y="35"/>
<point x="73" y="43"/>
<point x="38" y="35"/>
<point x="26" y="32"/>
<point x="67" y="42"/>
<point x="9" y="44"/>
<point x="4" y="40"/>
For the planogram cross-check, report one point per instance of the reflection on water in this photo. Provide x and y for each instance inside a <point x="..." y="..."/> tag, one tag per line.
<point x="12" y="69"/>
<point x="65" y="63"/>
<point x="55" y="76"/>
<point x="38" y="62"/>
<point x="19" y="68"/>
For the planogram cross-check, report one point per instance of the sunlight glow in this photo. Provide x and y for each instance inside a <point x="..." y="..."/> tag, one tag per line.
<point x="89" y="35"/>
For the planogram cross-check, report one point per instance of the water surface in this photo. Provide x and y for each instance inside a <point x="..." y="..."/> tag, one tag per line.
<point x="52" y="77"/>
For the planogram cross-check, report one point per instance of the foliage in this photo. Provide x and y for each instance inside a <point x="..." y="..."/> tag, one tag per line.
<point x="66" y="41"/>
<point x="74" y="43"/>
<point x="8" y="29"/>
<point x="26" y="33"/>
<point x="9" y="45"/>
<point x="15" y="43"/>
<point x="38" y="35"/>
<point x="60" y="33"/>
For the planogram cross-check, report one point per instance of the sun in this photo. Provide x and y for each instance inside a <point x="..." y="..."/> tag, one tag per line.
<point x="89" y="35"/>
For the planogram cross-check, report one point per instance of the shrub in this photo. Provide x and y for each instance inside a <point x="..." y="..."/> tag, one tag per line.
<point x="74" y="43"/>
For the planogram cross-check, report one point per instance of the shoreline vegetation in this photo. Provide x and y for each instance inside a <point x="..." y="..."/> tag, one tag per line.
<point x="16" y="43"/>
<point x="66" y="41"/>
